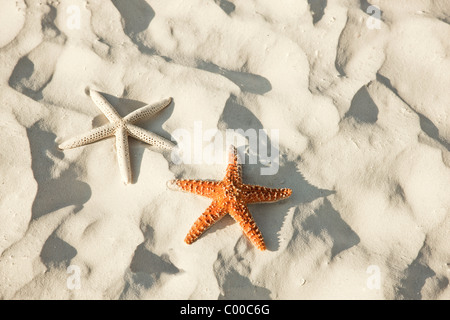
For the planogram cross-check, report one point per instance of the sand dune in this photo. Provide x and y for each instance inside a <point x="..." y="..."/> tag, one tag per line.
<point x="353" y="94"/>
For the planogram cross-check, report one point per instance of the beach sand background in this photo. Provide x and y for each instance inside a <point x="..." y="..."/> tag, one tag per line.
<point x="358" y="92"/>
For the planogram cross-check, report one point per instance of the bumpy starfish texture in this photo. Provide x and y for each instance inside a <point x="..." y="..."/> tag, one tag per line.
<point x="121" y="128"/>
<point x="231" y="196"/>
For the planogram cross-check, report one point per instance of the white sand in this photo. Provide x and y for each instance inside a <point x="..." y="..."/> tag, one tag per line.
<point x="363" y="112"/>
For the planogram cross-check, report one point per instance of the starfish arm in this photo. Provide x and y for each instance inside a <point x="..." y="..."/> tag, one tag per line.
<point x="89" y="137"/>
<point x="241" y="215"/>
<point x="105" y="106"/>
<point x="234" y="168"/>
<point x="149" y="137"/>
<point x="203" y="188"/>
<point x="254" y="194"/>
<point x="147" y="111"/>
<point x="123" y="154"/>
<point x="212" y="214"/>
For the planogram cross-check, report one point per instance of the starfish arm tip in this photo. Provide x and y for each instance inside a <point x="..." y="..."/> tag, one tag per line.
<point x="231" y="148"/>
<point x="63" y="146"/>
<point x="89" y="91"/>
<point x="172" y="185"/>
<point x="126" y="179"/>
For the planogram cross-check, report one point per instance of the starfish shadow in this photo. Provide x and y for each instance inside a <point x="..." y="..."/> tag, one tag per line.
<point x="236" y="116"/>
<point x="154" y="124"/>
<point x="53" y="192"/>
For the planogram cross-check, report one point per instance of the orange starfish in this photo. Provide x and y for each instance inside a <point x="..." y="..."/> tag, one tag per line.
<point x="230" y="196"/>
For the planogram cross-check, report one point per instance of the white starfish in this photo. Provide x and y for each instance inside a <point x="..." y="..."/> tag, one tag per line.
<point x="121" y="128"/>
